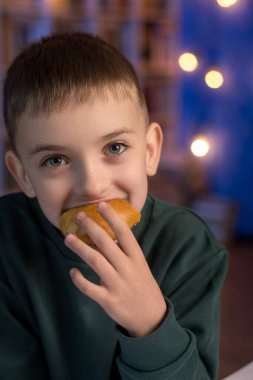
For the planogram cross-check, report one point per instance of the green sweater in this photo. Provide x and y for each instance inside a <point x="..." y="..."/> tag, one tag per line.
<point x="49" y="330"/>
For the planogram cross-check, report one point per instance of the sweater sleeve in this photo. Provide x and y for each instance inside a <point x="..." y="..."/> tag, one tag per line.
<point x="20" y="351"/>
<point x="185" y="346"/>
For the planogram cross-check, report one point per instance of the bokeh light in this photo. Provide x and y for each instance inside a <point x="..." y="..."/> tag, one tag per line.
<point x="200" y="147"/>
<point x="188" y="62"/>
<point x="226" y="3"/>
<point x="214" y="79"/>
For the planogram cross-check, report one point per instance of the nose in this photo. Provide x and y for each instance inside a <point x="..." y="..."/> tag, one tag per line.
<point x="91" y="181"/>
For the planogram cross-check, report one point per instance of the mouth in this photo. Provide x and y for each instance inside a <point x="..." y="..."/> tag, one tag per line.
<point x="86" y="203"/>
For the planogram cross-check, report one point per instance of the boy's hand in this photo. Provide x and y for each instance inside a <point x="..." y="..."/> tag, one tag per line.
<point x="127" y="292"/>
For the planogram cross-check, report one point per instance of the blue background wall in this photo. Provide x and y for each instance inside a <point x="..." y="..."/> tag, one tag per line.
<point x="222" y="38"/>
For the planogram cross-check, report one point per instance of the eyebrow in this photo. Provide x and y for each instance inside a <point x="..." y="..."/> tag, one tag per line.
<point x="117" y="133"/>
<point x="53" y="147"/>
<point x="50" y="147"/>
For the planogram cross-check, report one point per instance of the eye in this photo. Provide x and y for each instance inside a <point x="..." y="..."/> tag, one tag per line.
<point x="54" y="162"/>
<point x="115" y="148"/>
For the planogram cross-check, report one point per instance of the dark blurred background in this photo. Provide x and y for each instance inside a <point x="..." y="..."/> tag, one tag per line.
<point x="195" y="62"/>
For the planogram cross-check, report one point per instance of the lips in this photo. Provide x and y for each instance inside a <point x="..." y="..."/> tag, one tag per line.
<point x="85" y="203"/>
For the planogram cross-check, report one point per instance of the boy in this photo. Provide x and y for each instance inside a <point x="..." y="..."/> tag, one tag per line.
<point x="144" y="308"/>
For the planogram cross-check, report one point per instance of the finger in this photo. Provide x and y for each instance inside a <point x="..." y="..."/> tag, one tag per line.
<point x="94" y="291"/>
<point x="92" y="257"/>
<point x="103" y="242"/>
<point x="125" y="237"/>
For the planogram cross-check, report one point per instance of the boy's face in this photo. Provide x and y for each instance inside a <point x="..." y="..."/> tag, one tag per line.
<point x="84" y="154"/>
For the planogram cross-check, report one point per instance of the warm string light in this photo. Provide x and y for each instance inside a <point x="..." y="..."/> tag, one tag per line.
<point x="226" y="3"/>
<point x="200" y="147"/>
<point x="214" y="79"/>
<point x="188" y="62"/>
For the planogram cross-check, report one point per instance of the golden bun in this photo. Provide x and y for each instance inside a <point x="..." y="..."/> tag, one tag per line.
<point x="68" y="219"/>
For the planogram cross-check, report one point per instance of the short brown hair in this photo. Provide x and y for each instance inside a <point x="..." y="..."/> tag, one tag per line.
<point x="62" y="69"/>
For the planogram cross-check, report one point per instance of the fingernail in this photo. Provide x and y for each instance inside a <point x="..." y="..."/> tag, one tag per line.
<point x="69" y="239"/>
<point x="101" y="206"/>
<point x="72" y="272"/>
<point x="80" y="217"/>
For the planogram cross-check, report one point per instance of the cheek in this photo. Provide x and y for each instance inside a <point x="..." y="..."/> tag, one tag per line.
<point x="51" y="200"/>
<point x="132" y="175"/>
<point x="134" y="181"/>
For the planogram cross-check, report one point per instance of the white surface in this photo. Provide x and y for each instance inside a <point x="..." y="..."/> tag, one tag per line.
<point x="245" y="373"/>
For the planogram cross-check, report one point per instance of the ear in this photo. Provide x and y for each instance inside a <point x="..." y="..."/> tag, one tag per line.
<point x="154" y="140"/>
<point x="18" y="172"/>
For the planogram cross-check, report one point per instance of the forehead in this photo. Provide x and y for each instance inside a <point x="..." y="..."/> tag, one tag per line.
<point x="85" y="121"/>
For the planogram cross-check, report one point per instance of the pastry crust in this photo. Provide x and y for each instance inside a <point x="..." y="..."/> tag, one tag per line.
<point x="68" y="219"/>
